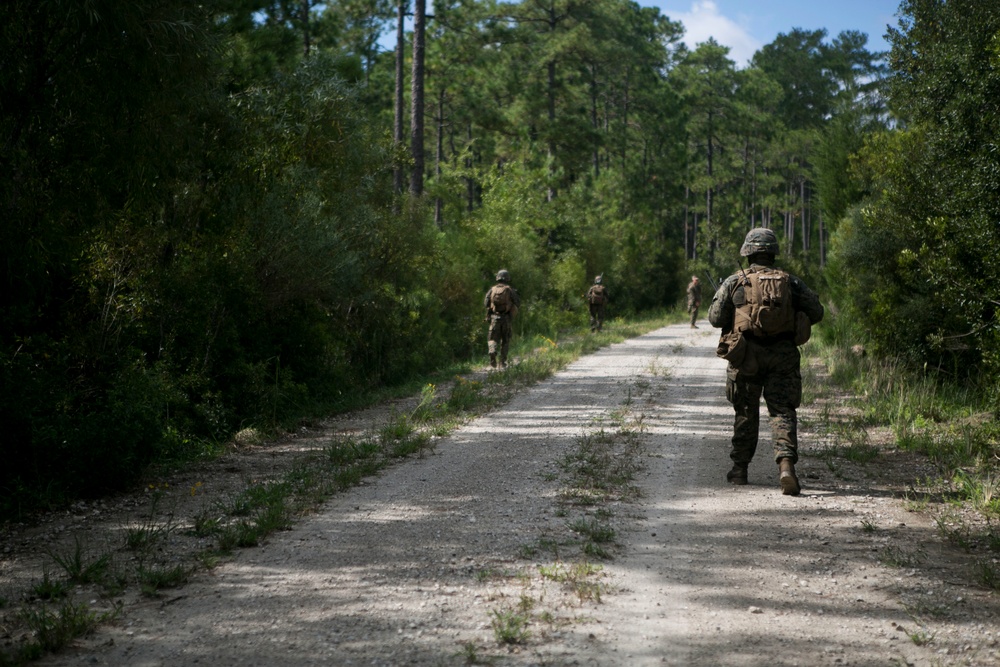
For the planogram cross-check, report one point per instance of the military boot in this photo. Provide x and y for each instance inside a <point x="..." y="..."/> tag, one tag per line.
<point x="738" y="475"/>
<point x="786" y="477"/>
<point x="493" y="360"/>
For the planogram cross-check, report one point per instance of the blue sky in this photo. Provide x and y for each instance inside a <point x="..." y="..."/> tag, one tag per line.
<point x="746" y="25"/>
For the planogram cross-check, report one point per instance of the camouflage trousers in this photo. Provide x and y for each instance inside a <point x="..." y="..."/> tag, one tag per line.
<point x="774" y="372"/>
<point x="693" y="309"/>
<point x="596" y="316"/>
<point x="499" y="336"/>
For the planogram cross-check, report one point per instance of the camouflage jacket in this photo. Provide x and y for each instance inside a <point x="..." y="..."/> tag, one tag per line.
<point x="594" y="289"/>
<point x="722" y="310"/>
<point x="694" y="294"/>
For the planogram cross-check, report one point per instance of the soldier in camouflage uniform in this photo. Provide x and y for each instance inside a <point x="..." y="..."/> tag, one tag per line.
<point x="694" y="300"/>
<point x="500" y="317"/>
<point x="597" y="297"/>
<point x="771" y="368"/>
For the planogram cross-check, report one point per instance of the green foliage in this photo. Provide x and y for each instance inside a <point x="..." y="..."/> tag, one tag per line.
<point x="50" y="589"/>
<point x="510" y="626"/>
<point x="154" y="578"/>
<point x="54" y="630"/>
<point x="930" y="235"/>
<point x="80" y="567"/>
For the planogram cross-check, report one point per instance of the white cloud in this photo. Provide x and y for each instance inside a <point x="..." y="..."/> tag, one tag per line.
<point x="704" y="21"/>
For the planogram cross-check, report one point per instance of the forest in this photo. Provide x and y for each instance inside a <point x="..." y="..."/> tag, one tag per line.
<point x="247" y="212"/>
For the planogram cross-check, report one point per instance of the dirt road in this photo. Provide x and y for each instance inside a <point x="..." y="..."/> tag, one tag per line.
<point x="430" y="562"/>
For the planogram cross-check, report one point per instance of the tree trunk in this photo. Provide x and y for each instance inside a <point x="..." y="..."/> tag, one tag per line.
<point x="593" y="120"/>
<point x="397" y="127"/>
<point x="708" y="190"/>
<point x="822" y="242"/>
<point x="687" y="224"/>
<point x="306" y="38"/>
<point x="470" y="188"/>
<point x="417" y="99"/>
<point x="438" y="156"/>
<point x="625" y="110"/>
<point x="550" y="144"/>
<point x="805" y="224"/>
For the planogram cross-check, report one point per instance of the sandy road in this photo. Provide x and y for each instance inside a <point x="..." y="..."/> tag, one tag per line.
<point x="412" y="567"/>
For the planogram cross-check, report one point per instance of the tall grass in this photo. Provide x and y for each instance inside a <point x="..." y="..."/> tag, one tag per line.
<point x="953" y="424"/>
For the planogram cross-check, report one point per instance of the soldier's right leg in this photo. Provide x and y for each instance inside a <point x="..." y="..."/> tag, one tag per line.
<point x="492" y="343"/>
<point x="505" y="332"/>
<point x="745" y="397"/>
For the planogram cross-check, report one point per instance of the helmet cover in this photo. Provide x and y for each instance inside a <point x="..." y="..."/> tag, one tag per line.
<point x="760" y="239"/>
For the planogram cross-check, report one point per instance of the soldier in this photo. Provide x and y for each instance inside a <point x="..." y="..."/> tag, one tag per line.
<point x="764" y="313"/>
<point x="501" y="303"/>
<point x="596" y="297"/>
<point x="694" y="300"/>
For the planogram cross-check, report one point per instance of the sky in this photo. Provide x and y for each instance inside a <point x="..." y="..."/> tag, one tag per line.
<point x="746" y="25"/>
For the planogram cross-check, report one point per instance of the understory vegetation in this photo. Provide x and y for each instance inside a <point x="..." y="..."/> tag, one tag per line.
<point x="874" y="406"/>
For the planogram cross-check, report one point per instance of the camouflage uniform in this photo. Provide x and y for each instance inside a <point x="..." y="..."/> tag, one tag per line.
<point x="771" y="368"/>
<point x="694" y="299"/>
<point x="597" y="309"/>
<point x="501" y="327"/>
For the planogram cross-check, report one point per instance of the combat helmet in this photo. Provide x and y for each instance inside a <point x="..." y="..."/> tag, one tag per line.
<point x="503" y="276"/>
<point x="760" y="239"/>
<point x="598" y="279"/>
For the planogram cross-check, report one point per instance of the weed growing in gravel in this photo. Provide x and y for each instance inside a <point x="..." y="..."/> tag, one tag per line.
<point x="868" y="526"/>
<point x="892" y="556"/>
<point x="49" y="589"/>
<point x="988" y="573"/>
<point x="425" y="409"/>
<point x="150" y="528"/>
<point x="78" y="567"/>
<point x="509" y="626"/>
<point x="578" y="577"/>
<point x="594" y="530"/>
<point x="54" y="630"/>
<point x="658" y="369"/>
<point x="953" y="528"/>
<point x="920" y="637"/>
<point x="489" y="574"/>
<point x="470" y="655"/>
<point x="154" y="578"/>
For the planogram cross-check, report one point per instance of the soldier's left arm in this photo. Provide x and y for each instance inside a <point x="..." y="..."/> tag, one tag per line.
<point x="515" y="297"/>
<point x="806" y="300"/>
<point x="720" y="313"/>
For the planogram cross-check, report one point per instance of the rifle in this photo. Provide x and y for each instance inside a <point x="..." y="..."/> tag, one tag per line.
<point x="715" y="285"/>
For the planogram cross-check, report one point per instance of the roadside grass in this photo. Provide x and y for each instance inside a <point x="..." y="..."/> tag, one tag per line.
<point x="953" y="426"/>
<point x="53" y="628"/>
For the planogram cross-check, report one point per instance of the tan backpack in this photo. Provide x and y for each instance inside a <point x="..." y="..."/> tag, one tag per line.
<point x="768" y="310"/>
<point x="502" y="300"/>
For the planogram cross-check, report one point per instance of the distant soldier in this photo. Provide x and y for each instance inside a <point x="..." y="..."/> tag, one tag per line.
<point x="597" y="297"/>
<point x="764" y="313"/>
<point x="694" y="300"/>
<point x="501" y="303"/>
